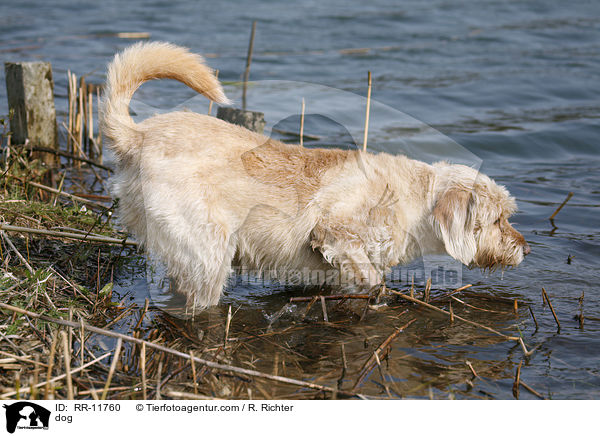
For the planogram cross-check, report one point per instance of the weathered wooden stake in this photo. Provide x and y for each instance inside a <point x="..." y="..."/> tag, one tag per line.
<point x="254" y="121"/>
<point x="30" y="92"/>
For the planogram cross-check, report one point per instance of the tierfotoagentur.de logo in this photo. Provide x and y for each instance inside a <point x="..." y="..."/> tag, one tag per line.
<point x="25" y="415"/>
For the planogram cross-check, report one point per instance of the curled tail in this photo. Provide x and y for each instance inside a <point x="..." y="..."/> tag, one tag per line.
<point x="147" y="61"/>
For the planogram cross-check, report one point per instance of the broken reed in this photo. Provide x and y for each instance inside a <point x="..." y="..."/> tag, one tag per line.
<point x="81" y="141"/>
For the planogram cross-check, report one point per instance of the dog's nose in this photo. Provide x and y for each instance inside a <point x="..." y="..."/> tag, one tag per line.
<point x="526" y="249"/>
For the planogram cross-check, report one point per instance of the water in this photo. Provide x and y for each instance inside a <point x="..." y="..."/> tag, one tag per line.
<point x="514" y="83"/>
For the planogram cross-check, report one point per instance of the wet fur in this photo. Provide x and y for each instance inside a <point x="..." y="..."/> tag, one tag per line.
<point x="202" y="194"/>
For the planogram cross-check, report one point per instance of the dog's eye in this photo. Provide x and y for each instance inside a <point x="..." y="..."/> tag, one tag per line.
<point x="497" y="222"/>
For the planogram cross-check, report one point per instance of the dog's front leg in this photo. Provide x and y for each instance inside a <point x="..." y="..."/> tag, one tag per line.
<point x="344" y="249"/>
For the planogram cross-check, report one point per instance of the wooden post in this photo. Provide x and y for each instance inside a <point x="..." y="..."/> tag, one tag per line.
<point x="251" y="120"/>
<point x="30" y="92"/>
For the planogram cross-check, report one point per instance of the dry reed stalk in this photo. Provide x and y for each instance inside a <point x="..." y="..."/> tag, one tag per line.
<point x="69" y="110"/>
<point x="324" y="308"/>
<point x="331" y="297"/>
<point x="50" y="364"/>
<point x="68" y="235"/>
<point x="67" y="360"/>
<point x="60" y="186"/>
<point x="525" y="351"/>
<point x="13" y="248"/>
<point x="207" y="363"/>
<point x="302" y="125"/>
<point x="412" y="287"/>
<point x="90" y="128"/>
<point x="210" y="103"/>
<point x="36" y="378"/>
<point x="70" y="330"/>
<point x="99" y="137"/>
<point x="449" y="294"/>
<point x="81" y="340"/>
<point x="313" y="300"/>
<point x="368" y="365"/>
<point x="533" y="316"/>
<point x="368" y="110"/>
<point x="458" y="300"/>
<point x="471" y="368"/>
<point x="142" y="315"/>
<point x="451" y="312"/>
<point x="189" y="396"/>
<point x="83" y="112"/>
<point x="227" y="325"/>
<point x="22" y="359"/>
<point x="143" y="370"/>
<point x="561" y="206"/>
<point x="113" y="366"/>
<point x="427" y="292"/>
<point x="62" y="153"/>
<point x="517" y="382"/>
<point x="545" y="296"/>
<point x="530" y="389"/>
<point x="437" y="309"/>
<point x="194" y="379"/>
<point x="248" y="62"/>
<point x="80" y="125"/>
<point x="158" y="378"/>
<point x="60" y="377"/>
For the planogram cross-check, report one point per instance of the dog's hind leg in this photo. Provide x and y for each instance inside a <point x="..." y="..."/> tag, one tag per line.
<point x="208" y="274"/>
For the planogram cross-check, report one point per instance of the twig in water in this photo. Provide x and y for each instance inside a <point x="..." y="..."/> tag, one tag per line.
<point x="227" y="324"/>
<point x="437" y="309"/>
<point x="369" y="364"/>
<point x="248" y="62"/>
<point x="324" y="308"/>
<point x="471" y="368"/>
<point x="530" y="389"/>
<point x="560" y="207"/>
<point x="332" y="297"/>
<point x="113" y="366"/>
<point x="517" y="382"/>
<point x="344" y="367"/>
<point x="533" y="316"/>
<point x="139" y="323"/>
<point x="313" y="300"/>
<point x="441" y="297"/>
<point x="545" y="295"/>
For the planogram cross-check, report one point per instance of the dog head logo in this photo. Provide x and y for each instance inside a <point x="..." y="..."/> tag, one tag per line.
<point x="26" y="415"/>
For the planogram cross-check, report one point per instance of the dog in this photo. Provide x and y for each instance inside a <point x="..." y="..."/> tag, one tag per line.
<point x="204" y="194"/>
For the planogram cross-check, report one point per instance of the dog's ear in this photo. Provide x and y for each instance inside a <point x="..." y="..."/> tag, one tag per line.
<point x="454" y="212"/>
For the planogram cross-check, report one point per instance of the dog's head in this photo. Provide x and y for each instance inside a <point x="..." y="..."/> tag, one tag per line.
<point x="471" y="215"/>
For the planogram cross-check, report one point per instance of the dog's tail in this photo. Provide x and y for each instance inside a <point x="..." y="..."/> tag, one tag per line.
<point x="147" y="61"/>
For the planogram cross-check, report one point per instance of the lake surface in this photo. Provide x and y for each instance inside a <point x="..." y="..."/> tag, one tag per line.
<point x="510" y="87"/>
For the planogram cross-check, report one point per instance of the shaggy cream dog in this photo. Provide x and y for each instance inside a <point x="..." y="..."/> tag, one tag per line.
<point x="204" y="195"/>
